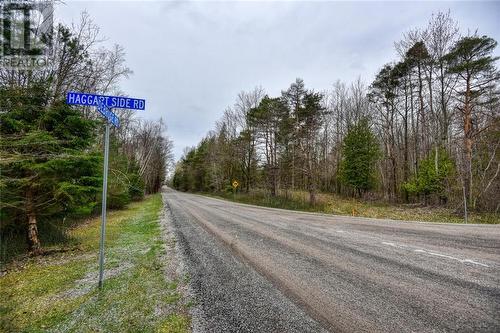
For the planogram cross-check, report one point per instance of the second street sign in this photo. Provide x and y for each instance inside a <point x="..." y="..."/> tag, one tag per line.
<point x="108" y="114"/>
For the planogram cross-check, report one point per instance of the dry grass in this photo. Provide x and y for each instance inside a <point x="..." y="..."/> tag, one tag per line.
<point x="334" y="204"/>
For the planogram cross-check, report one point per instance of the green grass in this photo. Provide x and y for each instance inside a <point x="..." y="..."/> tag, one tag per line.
<point x="334" y="204"/>
<point x="58" y="293"/>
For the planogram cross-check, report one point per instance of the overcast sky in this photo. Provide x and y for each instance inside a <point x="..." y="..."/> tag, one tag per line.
<point x="190" y="59"/>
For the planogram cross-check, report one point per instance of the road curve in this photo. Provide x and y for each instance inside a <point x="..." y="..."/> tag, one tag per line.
<point x="256" y="269"/>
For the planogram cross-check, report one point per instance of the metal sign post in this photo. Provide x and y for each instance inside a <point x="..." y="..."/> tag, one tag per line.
<point x="103" y="209"/>
<point x="104" y="105"/>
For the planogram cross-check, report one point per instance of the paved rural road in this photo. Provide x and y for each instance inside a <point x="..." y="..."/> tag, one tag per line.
<point x="257" y="269"/>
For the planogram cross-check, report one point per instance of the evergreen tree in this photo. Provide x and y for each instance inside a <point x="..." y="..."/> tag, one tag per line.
<point x="360" y="151"/>
<point x="311" y="120"/>
<point x="472" y="61"/>
<point x="294" y="95"/>
<point x="432" y="180"/>
<point x="269" y="119"/>
<point x="383" y="94"/>
<point x="48" y="169"/>
<point x="418" y="57"/>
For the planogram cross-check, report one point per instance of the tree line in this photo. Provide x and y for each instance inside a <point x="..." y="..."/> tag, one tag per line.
<point x="426" y="130"/>
<point x="51" y="153"/>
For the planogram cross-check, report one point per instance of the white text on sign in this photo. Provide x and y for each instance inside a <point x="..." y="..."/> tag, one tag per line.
<point x="74" y="98"/>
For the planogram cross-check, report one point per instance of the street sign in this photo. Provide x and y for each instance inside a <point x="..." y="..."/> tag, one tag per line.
<point x="235" y="183"/>
<point x="117" y="102"/>
<point x="104" y="104"/>
<point x="108" y="114"/>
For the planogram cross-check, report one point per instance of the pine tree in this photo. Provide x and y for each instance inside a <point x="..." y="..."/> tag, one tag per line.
<point x="360" y="151"/>
<point x="48" y="169"/>
<point x="311" y="120"/>
<point x="294" y="95"/>
<point x="268" y="120"/>
<point x="471" y="60"/>
<point x="431" y="180"/>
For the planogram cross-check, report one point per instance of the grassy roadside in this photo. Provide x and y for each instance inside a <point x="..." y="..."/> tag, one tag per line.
<point x="333" y="204"/>
<point x="58" y="293"/>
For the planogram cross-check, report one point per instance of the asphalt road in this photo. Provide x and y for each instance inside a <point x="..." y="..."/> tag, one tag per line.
<point x="256" y="269"/>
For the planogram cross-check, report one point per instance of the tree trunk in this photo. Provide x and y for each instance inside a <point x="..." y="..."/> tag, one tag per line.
<point x="468" y="143"/>
<point x="445" y="119"/>
<point x="414" y="125"/>
<point x="311" y="180"/>
<point x="406" y="172"/>
<point x="394" y="177"/>
<point x="312" y="195"/>
<point x="34" y="245"/>
<point x="423" y="119"/>
<point x="274" y="190"/>
<point x="293" y="168"/>
<point x="468" y="162"/>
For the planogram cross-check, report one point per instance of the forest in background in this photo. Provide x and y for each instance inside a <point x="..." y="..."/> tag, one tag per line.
<point x="425" y="131"/>
<point x="51" y="153"/>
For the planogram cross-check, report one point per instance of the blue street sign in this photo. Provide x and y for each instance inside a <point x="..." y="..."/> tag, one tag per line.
<point x="76" y="98"/>
<point x="108" y="114"/>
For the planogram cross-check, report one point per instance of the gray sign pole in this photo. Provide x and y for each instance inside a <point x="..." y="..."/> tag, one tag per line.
<point x="103" y="209"/>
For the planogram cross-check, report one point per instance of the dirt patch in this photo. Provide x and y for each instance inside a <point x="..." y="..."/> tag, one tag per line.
<point x="90" y="280"/>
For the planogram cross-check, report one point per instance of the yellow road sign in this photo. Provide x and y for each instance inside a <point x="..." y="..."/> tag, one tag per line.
<point x="235" y="183"/>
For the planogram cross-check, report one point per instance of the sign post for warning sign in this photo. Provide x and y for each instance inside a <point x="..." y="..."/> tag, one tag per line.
<point x="235" y="186"/>
<point x="104" y="105"/>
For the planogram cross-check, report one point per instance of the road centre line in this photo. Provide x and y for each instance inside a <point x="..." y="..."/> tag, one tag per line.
<point x="450" y="257"/>
<point x="423" y="251"/>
